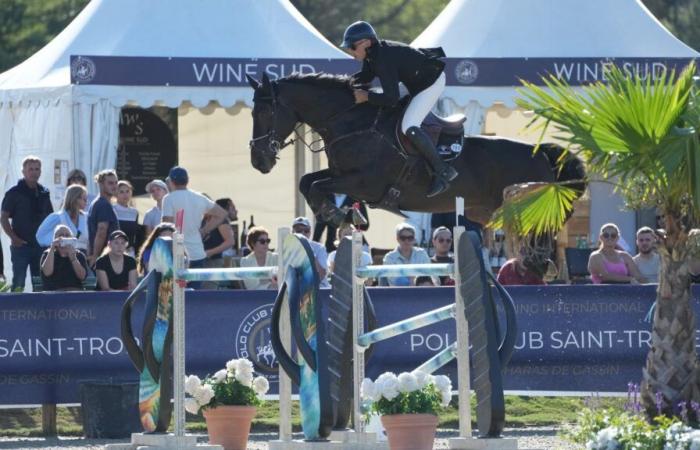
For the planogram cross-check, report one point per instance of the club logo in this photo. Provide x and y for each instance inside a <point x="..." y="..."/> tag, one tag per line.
<point x="466" y="71"/>
<point x="82" y="70"/>
<point x="253" y="340"/>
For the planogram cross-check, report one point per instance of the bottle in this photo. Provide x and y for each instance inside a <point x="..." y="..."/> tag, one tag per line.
<point x="252" y="224"/>
<point x="244" y="240"/>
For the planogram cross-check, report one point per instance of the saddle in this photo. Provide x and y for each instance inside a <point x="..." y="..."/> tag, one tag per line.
<point x="448" y="137"/>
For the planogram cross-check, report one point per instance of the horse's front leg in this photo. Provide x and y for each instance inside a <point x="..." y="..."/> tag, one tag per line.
<point x="323" y="190"/>
<point x="317" y="200"/>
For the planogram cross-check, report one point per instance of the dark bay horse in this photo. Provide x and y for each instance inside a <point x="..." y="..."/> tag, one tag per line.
<point x="365" y="160"/>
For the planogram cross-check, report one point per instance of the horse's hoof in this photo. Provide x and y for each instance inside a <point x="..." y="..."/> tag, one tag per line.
<point x="438" y="187"/>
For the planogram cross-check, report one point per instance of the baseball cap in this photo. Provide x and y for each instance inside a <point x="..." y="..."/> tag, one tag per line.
<point x="118" y="234"/>
<point x="160" y="183"/>
<point x="178" y="175"/>
<point x="301" y="221"/>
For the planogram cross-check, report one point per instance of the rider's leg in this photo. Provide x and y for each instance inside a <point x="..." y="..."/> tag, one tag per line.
<point x="420" y="106"/>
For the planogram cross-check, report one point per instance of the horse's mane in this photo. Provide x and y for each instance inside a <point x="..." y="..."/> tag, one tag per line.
<point x="321" y="79"/>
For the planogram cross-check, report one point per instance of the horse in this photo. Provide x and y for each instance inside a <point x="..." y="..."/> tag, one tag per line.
<point x="368" y="160"/>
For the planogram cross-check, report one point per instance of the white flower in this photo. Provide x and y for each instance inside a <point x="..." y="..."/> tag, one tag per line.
<point x="388" y="385"/>
<point x="407" y="382"/>
<point x="204" y="394"/>
<point x="605" y="439"/>
<point x="368" y="390"/>
<point x="260" y="385"/>
<point x="191" y="406"/>
<point x="423" y="379"/>
<point x="246" y="379"/>
<point x="442" y="383"/>
<point x="244" y="365"/>
<point x="232" y="365"/>
<point x="220" y="376"/>
<point x="192" y="383"/>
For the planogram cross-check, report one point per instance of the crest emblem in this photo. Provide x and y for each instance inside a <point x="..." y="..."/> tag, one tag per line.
<point x="253" y="341"/>
<point x="82" y="70"/>
<point x="466" y="71"/>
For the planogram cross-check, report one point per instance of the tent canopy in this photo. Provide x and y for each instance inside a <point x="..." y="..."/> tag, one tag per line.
<point x="239" y="30"/>
<point x="494" y="42"/>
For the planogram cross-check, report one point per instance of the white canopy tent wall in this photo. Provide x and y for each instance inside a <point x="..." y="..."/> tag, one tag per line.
<point x="504" y="39"/>
<point x="69" y="124"/>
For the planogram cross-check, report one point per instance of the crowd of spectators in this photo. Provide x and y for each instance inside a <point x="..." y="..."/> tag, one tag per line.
<point x="101" y="237"/>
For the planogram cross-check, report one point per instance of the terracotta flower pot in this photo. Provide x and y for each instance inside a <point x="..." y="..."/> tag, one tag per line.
<point x="410" y="431"/>
<point x="229" y="426"/>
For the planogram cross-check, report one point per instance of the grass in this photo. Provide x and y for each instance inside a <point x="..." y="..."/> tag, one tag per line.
<point x="520" y="412"/>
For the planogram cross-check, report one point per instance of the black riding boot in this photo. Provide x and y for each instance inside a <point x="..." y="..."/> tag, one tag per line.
<point x="443" y="172"/>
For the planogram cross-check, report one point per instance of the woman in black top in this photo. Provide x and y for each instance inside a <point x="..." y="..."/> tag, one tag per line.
<point x="128" y="216"/>
<point x="215" y="243"/>
<point x="63" y="268"/>
<point x="115" y="270"/>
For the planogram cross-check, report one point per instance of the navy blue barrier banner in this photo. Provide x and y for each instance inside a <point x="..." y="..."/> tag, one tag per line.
<point x="179" y="71"/>
<point x="570" y="338"/>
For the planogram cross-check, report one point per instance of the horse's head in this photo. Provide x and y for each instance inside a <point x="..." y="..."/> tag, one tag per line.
<point x="273" y="121"/>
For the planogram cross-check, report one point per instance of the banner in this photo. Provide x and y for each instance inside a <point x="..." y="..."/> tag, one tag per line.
<point x="570" y="338"/>
<point x="231" y="72"/>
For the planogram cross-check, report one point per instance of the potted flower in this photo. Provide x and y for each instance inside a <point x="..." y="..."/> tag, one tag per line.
<point x="228" y="400"/>
<point x="408" y="405"/>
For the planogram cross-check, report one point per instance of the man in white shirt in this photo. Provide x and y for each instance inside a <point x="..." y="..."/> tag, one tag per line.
<point x="195" y="207"/>
<point x="647" y="259"/>
<point x="158" y="189"/>
<point x="302" y="225"/>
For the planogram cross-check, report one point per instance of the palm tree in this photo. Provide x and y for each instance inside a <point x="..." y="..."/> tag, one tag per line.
<point x="644" y="134"/>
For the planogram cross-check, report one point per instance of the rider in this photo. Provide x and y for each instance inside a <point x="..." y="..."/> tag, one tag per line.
<point x="419" y="70"/>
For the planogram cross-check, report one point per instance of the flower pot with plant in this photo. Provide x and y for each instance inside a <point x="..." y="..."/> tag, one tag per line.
<point x="408" y="405"/>
<point x="227" y="400"/>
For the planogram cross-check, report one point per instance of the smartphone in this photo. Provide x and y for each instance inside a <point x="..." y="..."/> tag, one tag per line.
<point x="68" y="242"/>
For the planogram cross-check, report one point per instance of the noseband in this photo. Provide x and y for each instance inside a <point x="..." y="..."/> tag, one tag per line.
<point x="274" y="145"/>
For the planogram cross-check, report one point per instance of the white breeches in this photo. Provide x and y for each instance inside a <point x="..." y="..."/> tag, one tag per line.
<point x="422" y="103"/>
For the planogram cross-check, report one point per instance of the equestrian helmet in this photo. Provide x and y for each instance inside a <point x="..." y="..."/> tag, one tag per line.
<point x="356" y="32"/>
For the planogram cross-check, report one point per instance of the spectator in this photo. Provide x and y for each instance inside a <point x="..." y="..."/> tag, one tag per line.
<point x="215" y="244"/>
<point x="442" y="242"/>
<point x="519" y="271"/>
<point x="647" y="260"/>
<point x="77" y="176"/>
<point x="405" y="253"/>
<point x="72" y="215"/>
<point x="163" y="229"/>
<point x="102" y="220"/>
<point x="424" y="281"/>
<point x="341" y="201"/>
<point x="609" y="265"/>
<point x="158" y="189"/>
<point x="2" y="265"/>
<point x="195" y="207"/>
<point x="302" y="225"/>
<point x="63" y="267"/>
<point x="260" y="256"/>
<point x="345" y="230"/>
<point x="27" y="204"/>
<point x="128" y="216"/>
<point x="116" y="271"/>
<point x="230" y="208"/>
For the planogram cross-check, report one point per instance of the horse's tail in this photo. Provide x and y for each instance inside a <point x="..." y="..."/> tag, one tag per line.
<point x="571" y="170"/>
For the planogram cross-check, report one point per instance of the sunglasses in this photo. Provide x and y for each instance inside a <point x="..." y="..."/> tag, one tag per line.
<point x="609" y="235"/>
<point x="443" y="240"/>
<point x="264" y="241"/>
<point x="302" y="230"/>
<point x="406" y="237"/>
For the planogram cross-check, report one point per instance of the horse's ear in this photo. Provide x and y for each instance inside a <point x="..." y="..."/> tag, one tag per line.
<point x="265" y="80"/>
<point x="255" y="84"/>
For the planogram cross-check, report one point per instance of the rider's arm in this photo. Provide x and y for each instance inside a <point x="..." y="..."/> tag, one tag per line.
<point x="364" y="76"/>
<point x="389" y="79"/>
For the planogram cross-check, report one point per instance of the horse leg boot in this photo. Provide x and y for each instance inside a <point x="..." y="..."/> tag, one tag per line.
<point x="443" y="172"/>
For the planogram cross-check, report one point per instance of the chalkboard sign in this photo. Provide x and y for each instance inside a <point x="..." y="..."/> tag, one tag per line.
<point x="147" y="148"/>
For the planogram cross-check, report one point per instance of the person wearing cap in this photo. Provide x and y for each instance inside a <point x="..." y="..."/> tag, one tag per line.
<point x="302" y="225"/>
<point x="420" y="70"/>
<point x="195" y="207"/>
<point x="158" y="189"/>
<point x="405" y="253"/>
<point x="115" y="270"/>
<point x="442" y="241"/>
<point x="102" y="220"/>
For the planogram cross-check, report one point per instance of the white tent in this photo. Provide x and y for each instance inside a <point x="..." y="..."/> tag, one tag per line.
<point x="63" y="103"/>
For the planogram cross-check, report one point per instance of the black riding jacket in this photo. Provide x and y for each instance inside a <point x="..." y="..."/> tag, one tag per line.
<point x="394" y="62"/>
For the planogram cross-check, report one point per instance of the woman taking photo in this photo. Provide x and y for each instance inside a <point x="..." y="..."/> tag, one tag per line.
<point x="260" y="256"/>
<point x="63" y="268"/>
<point x="116" y="271"/>
<point x="72" y="215"/>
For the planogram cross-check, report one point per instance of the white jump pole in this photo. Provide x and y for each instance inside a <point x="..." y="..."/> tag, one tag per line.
<point x="358" y="326"/>
<point x="178" y="335"/>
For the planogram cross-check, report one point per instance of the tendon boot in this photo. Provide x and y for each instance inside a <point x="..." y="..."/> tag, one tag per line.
<point x="443" y="172"/>
<point x="332" y="214"/>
